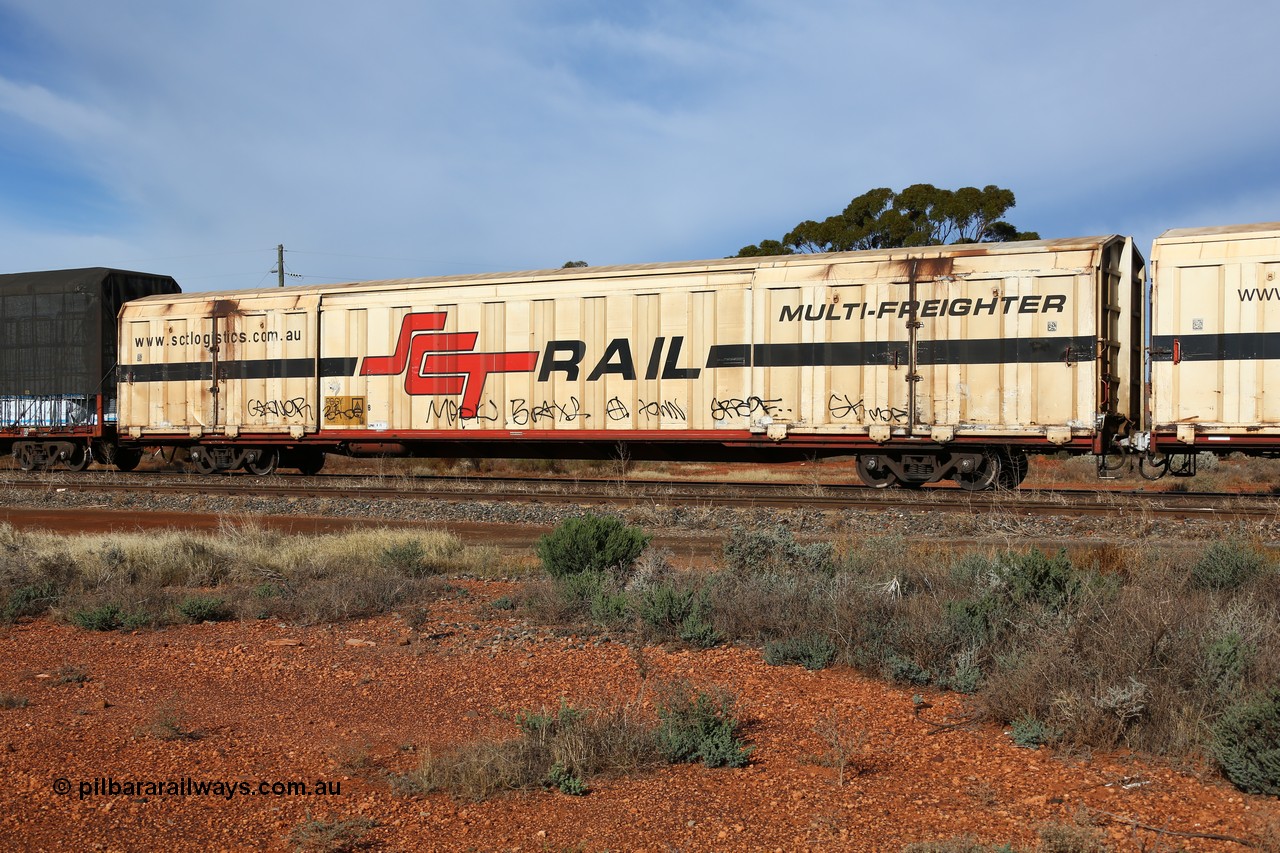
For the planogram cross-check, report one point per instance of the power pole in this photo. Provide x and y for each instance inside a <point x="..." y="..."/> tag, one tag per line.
<point x="280" y="262"/>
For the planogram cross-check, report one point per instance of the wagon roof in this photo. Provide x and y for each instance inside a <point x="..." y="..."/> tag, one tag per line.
<point x="958" y="250"/>
<point x="1217" y="232"/>
<point x="61" y="280"/>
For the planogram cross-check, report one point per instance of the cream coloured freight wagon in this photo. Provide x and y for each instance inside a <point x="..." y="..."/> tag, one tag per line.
<point x="927" y="363"/>
<point x="1215" y="343"/>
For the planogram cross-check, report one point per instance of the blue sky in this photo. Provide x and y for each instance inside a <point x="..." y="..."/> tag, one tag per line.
<point x="388" y="139"/>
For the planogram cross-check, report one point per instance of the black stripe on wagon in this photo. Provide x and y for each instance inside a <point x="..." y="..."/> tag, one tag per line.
<point x="202" y="371"/>
<point x="864" y="353"/>
<point x="1239" y="346"/>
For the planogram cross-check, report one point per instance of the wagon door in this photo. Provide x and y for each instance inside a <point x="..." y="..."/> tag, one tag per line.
<point x="262" y="356"/>
<point x="868" y="354"/>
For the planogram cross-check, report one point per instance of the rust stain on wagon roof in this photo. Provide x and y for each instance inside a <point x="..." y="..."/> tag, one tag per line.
<point x="226" y="307"/>
<point x="917" y="269"/>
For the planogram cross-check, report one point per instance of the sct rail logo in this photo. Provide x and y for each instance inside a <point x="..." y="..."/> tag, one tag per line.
<point x="439" y="362"/>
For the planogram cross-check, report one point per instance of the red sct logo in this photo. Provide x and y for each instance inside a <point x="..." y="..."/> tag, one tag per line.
<point x="442" y="363"/>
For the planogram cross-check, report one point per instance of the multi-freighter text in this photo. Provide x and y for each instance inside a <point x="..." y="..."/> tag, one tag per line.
<point x="960" y="307"/>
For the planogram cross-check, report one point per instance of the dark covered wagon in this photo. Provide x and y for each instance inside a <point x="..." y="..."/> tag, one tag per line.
<point x="58" y="352"/>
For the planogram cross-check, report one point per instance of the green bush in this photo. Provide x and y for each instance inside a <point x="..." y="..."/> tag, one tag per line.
<point x="590" y="543"/>
<point x="812" y="651"/>
<point x="407" y="557"/>
<point x="966" y="676"/>
<point x="199" y="608"/>
<point x="1246" y="744"/>
<point x="545" y="724"/>
<point x="30" y="600"/>
<point x="566" y="781"/>
<point x="700" y="728"/>
<point x="1029" y="732"/>
<point x="974" y="619"/>
<point x="664" y="607"/>
<point x="108" y="617"/>
<point x="1034" y="577"/>
<point x="559" y="748"/>
<point x="699" y="634"/>
<point x="610" y="609"/>
<point x="671" y="612"/>
<point x="905" y="670"/>
<point x="580" y="589"/>
<point x="1227" y="565"/>
<point x="1227" y="658"/>
<point x="136" y="620"/>
<point x="776" y="549"/>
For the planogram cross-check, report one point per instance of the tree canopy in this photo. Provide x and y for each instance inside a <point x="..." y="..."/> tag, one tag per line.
<point x="920" y="215"/>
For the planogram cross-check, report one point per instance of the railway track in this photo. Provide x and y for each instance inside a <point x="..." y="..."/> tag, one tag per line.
<point x="632" y="492"/>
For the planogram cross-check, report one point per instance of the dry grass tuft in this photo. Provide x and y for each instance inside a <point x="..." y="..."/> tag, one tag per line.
<point x="561" y="749"/>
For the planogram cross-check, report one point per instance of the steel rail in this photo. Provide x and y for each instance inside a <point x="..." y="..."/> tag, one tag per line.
<point x="632" y="492"/>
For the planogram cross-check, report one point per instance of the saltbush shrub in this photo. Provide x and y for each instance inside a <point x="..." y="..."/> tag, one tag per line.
<point x="1032" y="733"/>
<point x="108" y="617"/>
<point x="775" y="549"/>
<point x="701" y="727"/>
<point x="406" y="557"/>
<point x="974" y="620"/>
<point x="1227" y="565"/>
<point x="812" y="651"/>
<point x="590" y="543"/>
<point x="1227" y="658"/>
<point x="1036" y="578"/>
<point x="1246" y="744"/>
<point x="200" y="608"/>
<point x="671" y="610"/>
<point x="30" y="600"/>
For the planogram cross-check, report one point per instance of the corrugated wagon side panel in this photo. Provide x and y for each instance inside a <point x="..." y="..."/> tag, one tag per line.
<point x="1006" y="365"/>
<point x="1215" y="352"/>
<point x="982" y="344"/>
<point x="595" y="359"/>
<point x="267" y="369"/>
<point x="209" y="367"/>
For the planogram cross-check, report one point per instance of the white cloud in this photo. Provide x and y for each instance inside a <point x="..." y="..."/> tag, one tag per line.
<point x="58" y="116"/>
<point x="500" y="135"/>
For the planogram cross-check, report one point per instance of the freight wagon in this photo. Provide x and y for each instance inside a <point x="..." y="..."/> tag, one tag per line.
<point x="1215" y="345"/>
<point x="927" y="364"/>
<point x="58" y="364"/>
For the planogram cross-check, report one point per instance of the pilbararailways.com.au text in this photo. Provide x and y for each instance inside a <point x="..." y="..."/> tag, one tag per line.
<point x="109" y="786"/>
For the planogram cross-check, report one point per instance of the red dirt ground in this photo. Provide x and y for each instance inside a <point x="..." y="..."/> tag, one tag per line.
<point x="345" y="704"/>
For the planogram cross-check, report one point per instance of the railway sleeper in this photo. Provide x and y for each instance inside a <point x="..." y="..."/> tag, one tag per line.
<point x="35" y="455"/>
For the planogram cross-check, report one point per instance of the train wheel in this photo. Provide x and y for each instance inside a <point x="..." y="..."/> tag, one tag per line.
<point x="26" y="459"/>
<point x="874" y="473"/>
<point x="308" y="462"/>
<point x="104" y="452"/>
<point x="79" y="458"/>
<point x="262" y="462"/>
<point x="126" y="460"/>
<point x="202" y="461"/>
<point x="984" y="477"/>
<point x="1014" y="467"/>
